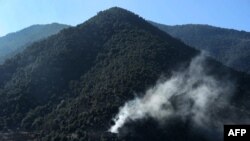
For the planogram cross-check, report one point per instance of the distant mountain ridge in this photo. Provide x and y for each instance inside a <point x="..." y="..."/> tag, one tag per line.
<point x="229" y="46"/>
<point x="15" y="42"/>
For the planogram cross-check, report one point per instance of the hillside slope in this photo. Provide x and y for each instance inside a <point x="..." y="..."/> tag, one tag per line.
<point x="70" y="85"/>
<point x="14" y="43"/>
<point x="231" y="47"/>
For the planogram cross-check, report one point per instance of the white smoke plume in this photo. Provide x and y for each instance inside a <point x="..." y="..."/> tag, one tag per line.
<point x="188" y="93"/>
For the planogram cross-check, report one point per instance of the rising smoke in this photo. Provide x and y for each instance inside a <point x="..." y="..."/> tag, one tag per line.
<point x="187" y="94"/>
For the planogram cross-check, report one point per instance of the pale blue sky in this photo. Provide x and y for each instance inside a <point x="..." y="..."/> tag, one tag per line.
<point x="18" y="14"/>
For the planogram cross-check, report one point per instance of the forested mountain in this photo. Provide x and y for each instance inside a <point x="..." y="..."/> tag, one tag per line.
<point x="14" y="43"/>
<point x="231" y="47"/>
<point x="70" y="85"/>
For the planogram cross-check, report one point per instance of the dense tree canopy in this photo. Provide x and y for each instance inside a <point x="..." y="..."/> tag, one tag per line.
<point x="14" y="43"/>
<point x="69" y="86"/>
<point x="231" y="47"/>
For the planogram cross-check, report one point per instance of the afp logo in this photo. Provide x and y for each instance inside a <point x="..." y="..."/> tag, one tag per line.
<point x="236" y="132"/>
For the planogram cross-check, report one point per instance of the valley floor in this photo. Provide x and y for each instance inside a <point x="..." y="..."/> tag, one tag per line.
<point x="14" y="136"/>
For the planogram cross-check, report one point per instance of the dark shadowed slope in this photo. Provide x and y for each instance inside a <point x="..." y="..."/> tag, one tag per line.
<point x="231" y="47"/>
<point x="14" y="43"/>
<point x="70" y="85"/>
<point x="114" y="41"/>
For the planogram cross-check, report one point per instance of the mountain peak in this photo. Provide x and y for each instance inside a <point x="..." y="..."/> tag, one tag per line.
<point x="117" y="19"/>
<point x="114" y="15"/>
<point x="115" y="10"/>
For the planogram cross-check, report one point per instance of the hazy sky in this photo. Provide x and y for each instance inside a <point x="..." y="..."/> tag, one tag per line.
<point x="18" y="14"/>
